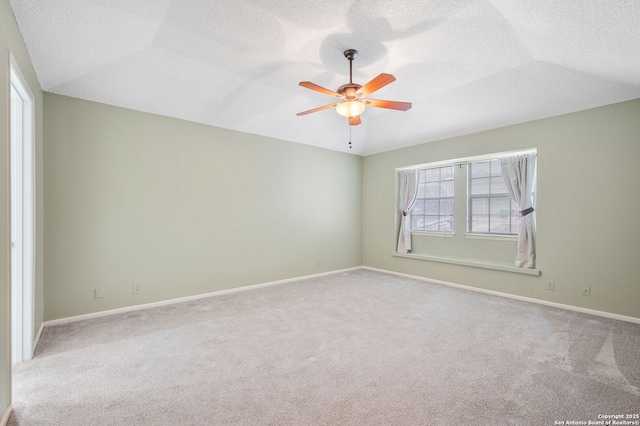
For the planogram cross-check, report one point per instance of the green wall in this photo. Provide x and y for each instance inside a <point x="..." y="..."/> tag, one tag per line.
<point x="183" y="208"/>
<point x="587" y="210"/>
<point x="11" y="40"/>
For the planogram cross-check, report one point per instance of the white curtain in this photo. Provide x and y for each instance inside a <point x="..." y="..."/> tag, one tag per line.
<point x="408" y="194"/>
<point x="518" y="174"/>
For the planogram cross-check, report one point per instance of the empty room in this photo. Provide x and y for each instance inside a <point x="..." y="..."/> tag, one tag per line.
<point x="191" y="236"/>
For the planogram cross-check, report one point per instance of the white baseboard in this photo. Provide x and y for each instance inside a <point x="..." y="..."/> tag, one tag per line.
<point x="190" y="298"/>
<point x="513" y="296"/>
<point x="5" y="417"/>
<point x="37" y="339"/>
<point x="307" y="277"/>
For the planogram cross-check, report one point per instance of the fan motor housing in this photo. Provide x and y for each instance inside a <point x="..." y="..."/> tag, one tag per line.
<point x="349" y="90"/>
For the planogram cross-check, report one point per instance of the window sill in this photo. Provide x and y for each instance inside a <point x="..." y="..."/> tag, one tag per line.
<point x="497" y="237"/>
<point x="475" y="263"/>
<point x="433" y="234"/>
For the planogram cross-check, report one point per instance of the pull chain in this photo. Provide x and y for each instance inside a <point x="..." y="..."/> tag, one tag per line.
<point x="350" y="136"/>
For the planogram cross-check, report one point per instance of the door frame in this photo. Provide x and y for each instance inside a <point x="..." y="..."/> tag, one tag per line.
<point x="23" y="321"/>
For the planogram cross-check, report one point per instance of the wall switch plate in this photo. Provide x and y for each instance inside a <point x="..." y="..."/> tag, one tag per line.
<point x="98" y="293"/>
<point x="551" y="285"/>
<point x="136" y="289"/>
<point x="586" y="291"/>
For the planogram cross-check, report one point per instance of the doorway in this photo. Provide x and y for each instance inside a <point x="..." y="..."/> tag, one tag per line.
<point x="22" y="216"/>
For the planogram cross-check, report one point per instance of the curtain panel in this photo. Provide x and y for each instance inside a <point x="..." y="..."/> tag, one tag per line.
<point x="519" y="174"/>
<point x="408" y="194"/>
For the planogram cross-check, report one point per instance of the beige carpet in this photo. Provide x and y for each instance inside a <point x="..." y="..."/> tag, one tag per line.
<point x="356" y="348"/>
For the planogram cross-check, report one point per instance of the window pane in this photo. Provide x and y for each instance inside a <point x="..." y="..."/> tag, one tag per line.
<point x="422" y="190"/>
<point x="498" y="186"/>
<point x="431" y="223"/>
<point x="446" y="207"/>
<point x="432" y="190"/>
<point x="432" y="207"/>
<point x="446" y="223"/>
<point x="480" y="169"/>
<point x="417" y="222"/>
<point x="418" y="207"/>
<point x="479" y="223"/>
<point x="480" y="186"/>
<point x="446" y="173"/>
<point x="436" y="186"/>
<point x="446" y="189"/>
<point x="432" y="175"/>
<point x="500" y="206"/>
<point x="495" y="168"/>
<point x="499" y="224"/>
<point x="480" y="206"/>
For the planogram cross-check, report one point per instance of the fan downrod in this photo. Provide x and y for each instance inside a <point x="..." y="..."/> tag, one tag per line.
<point x="350" y="54"/>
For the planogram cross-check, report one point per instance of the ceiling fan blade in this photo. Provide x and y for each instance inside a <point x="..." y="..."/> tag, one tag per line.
<point x="313" y="86"/>
<point x="401" y="106"/>
<point x="317" y="109"/>
<point x="377" y="83"/>
<point x="354" y="121"/>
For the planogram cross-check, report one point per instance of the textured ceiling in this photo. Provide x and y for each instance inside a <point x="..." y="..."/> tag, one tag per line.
<point x="466" y="65"/>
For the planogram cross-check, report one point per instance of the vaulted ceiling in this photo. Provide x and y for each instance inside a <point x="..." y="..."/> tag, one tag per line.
<point x="466" y="66"/>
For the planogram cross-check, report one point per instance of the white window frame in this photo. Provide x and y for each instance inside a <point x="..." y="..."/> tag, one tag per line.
<point x="440" y="198"/>
<point x="490" y="196"/>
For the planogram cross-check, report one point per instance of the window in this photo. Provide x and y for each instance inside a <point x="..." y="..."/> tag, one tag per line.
<point x="481" y="204"/>
<point x="490" y="209"/>
<point x="434" y="207"/>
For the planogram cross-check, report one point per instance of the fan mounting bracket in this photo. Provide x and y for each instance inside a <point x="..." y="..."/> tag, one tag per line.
<point x="350" y="54"/>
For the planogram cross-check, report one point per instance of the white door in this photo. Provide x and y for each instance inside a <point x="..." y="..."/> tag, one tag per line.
<point x="22" y="208"/>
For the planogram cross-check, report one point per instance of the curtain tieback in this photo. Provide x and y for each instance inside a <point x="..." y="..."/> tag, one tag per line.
<point x="525" y="212"/>
<point x="405" y="213"/>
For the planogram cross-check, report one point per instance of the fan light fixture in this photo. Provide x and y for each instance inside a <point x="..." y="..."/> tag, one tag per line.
<point x="351" y="96"/>
<point x="350" y="108"/>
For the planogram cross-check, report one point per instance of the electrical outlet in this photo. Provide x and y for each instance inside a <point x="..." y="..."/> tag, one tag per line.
<point x="136" y="289"/>
<point x="98" y="293"/>
<point x="551" y="285"/>
<point x="586" y="291"/>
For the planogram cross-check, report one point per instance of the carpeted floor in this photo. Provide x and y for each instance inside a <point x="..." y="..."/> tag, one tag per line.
<point x="355" y="348"/>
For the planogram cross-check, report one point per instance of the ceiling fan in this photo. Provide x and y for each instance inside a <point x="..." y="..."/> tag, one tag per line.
<point x="352" y="96"/>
